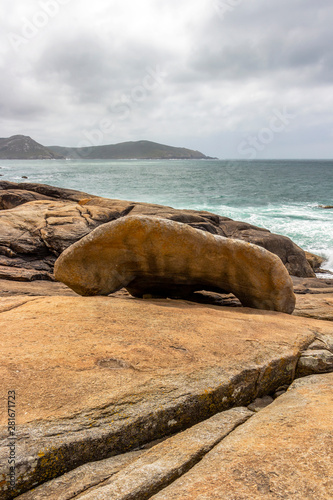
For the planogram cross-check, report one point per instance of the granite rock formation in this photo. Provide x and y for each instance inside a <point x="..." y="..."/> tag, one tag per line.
<point x="148" y="255"/>
<point x="152" y="398"/>
<point x="51" y="219"/>
<point x="100" y="377"/>
<point x="255" y="461"/>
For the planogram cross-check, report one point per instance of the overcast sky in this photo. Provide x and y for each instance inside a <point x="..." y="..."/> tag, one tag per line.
<point x="231" y="78"/>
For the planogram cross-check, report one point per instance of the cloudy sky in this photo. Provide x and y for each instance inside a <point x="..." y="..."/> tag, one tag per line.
<point x="231" y="78"/>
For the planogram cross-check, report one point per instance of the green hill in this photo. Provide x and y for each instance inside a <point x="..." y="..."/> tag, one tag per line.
<point x="22" y="147"/>
<point x="141" y="150"/>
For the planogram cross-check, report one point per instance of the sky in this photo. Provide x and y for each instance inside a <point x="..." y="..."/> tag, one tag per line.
<point x="231" y="78"/>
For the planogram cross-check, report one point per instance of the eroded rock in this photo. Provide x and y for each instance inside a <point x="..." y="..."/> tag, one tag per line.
<point x="148" y="255"/>
<point x="12" y="198"/>
<point x="181" y="363"/>
<point x="292" y="256"/>
<point x="314" y="260"/>
<point x="146" y="474"/>
<point x="314" y="361"/>
<point x="70" y="485"/>
<point x="285" y="451"/>
<point x="318" y="306"/>
<point x="74" y="214"/>
<point x="260" y="403"/>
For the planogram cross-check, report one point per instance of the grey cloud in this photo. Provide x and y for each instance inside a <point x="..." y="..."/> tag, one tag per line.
<point x="222" y="75"/>
<point x="249" y="43"/>
<point x="95" y="70"/>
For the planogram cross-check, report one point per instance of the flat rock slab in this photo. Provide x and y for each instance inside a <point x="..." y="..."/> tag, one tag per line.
<point x="36" y="288"/>
<point x="127" y="477"/>
<point x="98" y="376"/>
<point x="79" y="480"/>
<point x="312" y="285"/>
<point x="312" y="304"/>
<point x="285" y="451"/>
<point x="319" y="306"/>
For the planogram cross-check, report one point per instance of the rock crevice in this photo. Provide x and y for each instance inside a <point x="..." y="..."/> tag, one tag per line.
<point x="72" y="413"/>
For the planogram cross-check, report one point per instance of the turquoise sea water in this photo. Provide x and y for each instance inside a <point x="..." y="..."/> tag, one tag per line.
<point x="282" y="196"/>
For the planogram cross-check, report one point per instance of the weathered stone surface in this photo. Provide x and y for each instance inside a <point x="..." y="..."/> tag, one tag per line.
<point x="285" y="451"/>
<point x="291" y="255"/>
<point x="20" y="228"/>
<point x="19" y="274"/>
<point x="260" y="403"/>
<point x="66" y="225"/>
<point x="33" y="234"/>
<point x="46" y="190"/>
<point x="9" y="303"/>
<point x="168" y="460"/>
<point x="312" y="285"/>
<point x="143" y="473"/>
<point x="73" y="483"/>
<point x="147" y="255"/>
<point x="314" y="260"/>
<point x="314" y="361"/>
<point x="319" y="306"/>
<point x="11" y="198"/>
<point x="98" y="376"/>
<point x="10" y="288"/>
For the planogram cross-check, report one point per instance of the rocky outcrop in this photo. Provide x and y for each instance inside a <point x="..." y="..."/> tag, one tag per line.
<point x="155" y="468"/>
<point x="147" y="255"/>
<point x="318" y="306"/>
<point x="11" y="198"/>
<point x="314" y="260"/>
<point x="263" y="458"/>
<point x="291" y="255"/>
<point x="24" y="189"/>
<point x="32" y="235"/>
<point x="97" y="377"/>
<point x="84" y="478"/>
<point x="10" y="288"/>
<point x="153" y="398"/>
<point x="314" y="298"/>
<point x="59" y="217"/>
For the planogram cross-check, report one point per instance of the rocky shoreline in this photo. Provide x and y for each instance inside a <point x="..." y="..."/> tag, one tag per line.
<point x="127" y="398"/>
<point x="38" y="222"/>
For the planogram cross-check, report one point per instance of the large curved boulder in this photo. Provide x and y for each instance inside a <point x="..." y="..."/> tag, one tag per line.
<point x="148" y="255"/>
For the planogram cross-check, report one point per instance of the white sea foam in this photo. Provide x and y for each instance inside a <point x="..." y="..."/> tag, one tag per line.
<point x="283" y="197"/>
<point x="328" y="264"/>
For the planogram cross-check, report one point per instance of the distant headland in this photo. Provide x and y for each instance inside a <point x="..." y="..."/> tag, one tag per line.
<point x="21" y="147"/>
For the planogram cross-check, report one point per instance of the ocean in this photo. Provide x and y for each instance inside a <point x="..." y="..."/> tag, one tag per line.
<point x="283" y="196"/>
